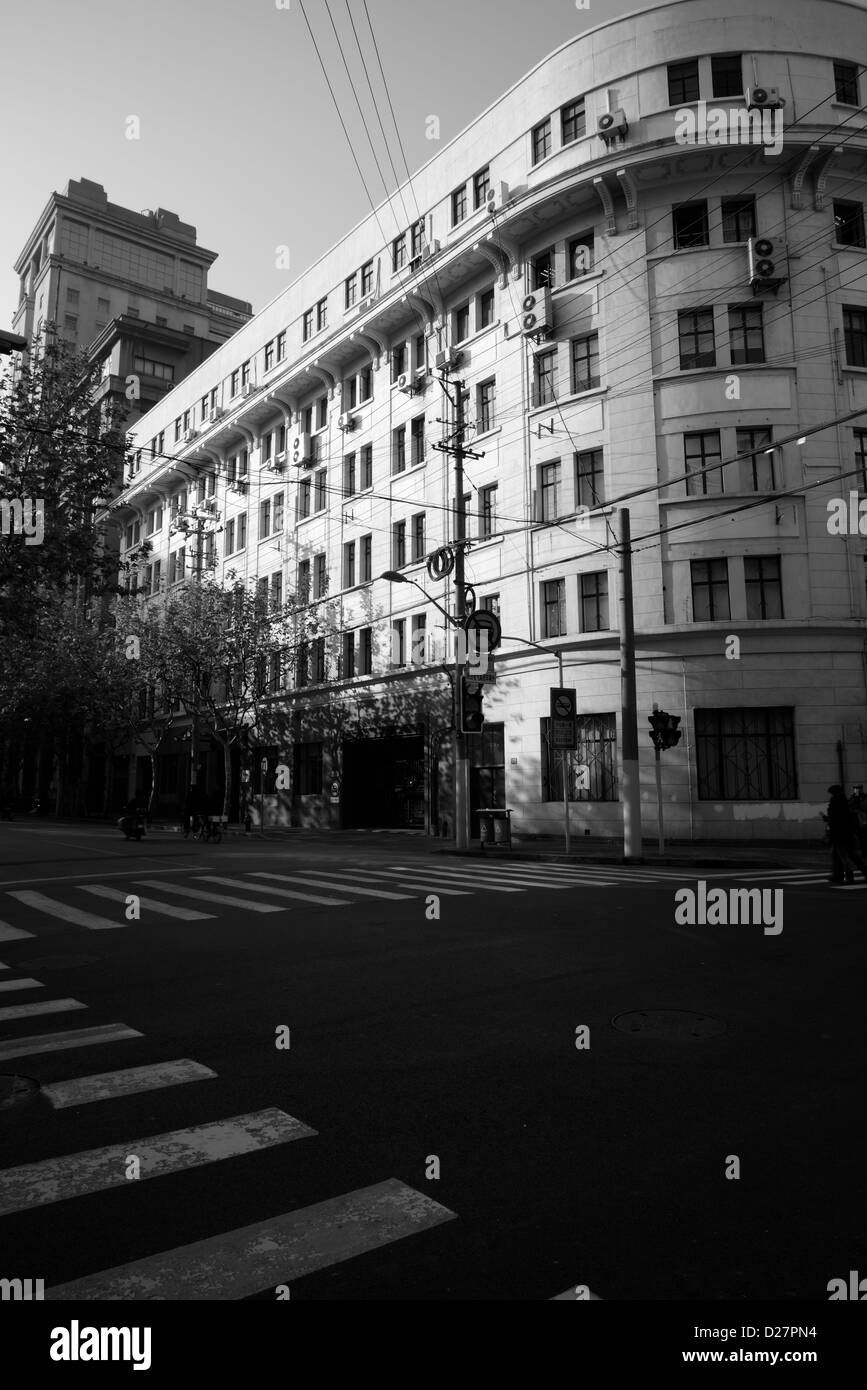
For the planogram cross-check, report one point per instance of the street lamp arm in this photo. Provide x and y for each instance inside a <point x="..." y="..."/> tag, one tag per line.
<point x="395" y="577"/>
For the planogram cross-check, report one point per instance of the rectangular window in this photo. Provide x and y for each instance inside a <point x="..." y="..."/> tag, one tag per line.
<point x="459" y="204"/>
<point x="307" y="326"/>
<point x="416" y="240"/>
<point x="349" y="475"/>
<point x="846" y="83"/>
<point x="366" y="559"/>
<point x="303" y="584"/>
<point x="351" y="290"/>
<point x="178" y="429"/>
<point x="398" y="544"/>
<point x="746" y="333"/>
<point x="264" y="518"/>
<point x="485" y="406"/>
<point x="481" y="184"/>
<point x="544" y="368"/>
<point x="554" y="608"/>
<point x="242" y="531"/>
<point x="726" y="73"/>
<point x="304" y="493"/>
<point x="398" y="253"/>
<point x="418" y="644"/>
<point x="417" y="440"/>
<point x="347" y="661"/>
<point x="366" y="466"/>
<point x="399" y="362"/>
<point x="589" y="478"/>
<point x="758" y="470"/>
<point x="418" y="539"/>
<point x="701" y="450"/>
<point x="695" y="338"/>
<point x="573" y="121"/>
<point x="398" y="449"/>
<point x="269" y="355"/>
<point x="462" y="515"/>
<point x="683" y="82"/>
<point x="542" y="141"/>
<point x="320" y="576"/>
<point x="746" y="754"/>
<point x="542" y="270"/>
<point x="319" y="496"/>
<point x="861" y="455"/>
<point x="485" y="309"/>
<point x="365" y="651"/>
<point x="549" y="491"/>
<point x="581" y="255"/>
<point x="764" y="586"/>
<point x="349" y="565"/>
<point x="690" y="225"/>
<point x="462" y="323"/>
<point x="245" y="373"/>
<point x="490" y="603"/>
<point x="366" y="279"/>
<point x="738" y="218"/>
<point x="243" y="463"/>
<point x="487" y="511"/>
<point x="365" y="385"/>
<point x="308" y="769"/>
<point x="321" y="315"/>
<point x="597" y="751"/>
<point x="710" y="591"/>
<point x="594" y="601"/>
<point x="322" y="412"/>
<point x="277" y="591"/>
<point x="585" y="362"/>
<point x="398" y="642"/>
<point x="302" y="667"/>
<point x="230" y="544"/>
<point x="849" y="224"/>
<point x="855" y="335"/>
<point x="281" y="346"/>
<point x="267" y="446"/>
<point x="278" y="514"/>
<point x="420" y="356"/>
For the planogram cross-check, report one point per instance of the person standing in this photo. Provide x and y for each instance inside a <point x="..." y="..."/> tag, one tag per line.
<point x="843" y="832"/>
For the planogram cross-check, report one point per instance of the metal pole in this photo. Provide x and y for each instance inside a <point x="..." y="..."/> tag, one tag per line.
<point x="628" y="699"/>
<point x="659" y="801"/>
<point x="462" y="808"/>
<point x="194" y="728"/>
<point x="564" y="754"/>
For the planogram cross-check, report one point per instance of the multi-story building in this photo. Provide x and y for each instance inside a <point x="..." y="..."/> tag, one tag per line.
<point x="624" y="341"/>
<point x="129" y="288"/>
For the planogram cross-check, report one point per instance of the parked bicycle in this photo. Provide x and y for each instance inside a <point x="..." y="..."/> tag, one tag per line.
<point x="207" y="828"/>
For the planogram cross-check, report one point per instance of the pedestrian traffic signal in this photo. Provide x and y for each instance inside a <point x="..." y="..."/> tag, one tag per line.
<point x="665" y="732"/>
<point x="472" y="714"/>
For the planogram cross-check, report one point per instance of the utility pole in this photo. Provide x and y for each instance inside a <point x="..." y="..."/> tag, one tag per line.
<point x="194" y="727"/>
<point x="462" y="765"/>
<point x="628" y="700"/>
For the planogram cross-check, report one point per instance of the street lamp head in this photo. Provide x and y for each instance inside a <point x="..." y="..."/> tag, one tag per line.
<point x="396" y="577"/>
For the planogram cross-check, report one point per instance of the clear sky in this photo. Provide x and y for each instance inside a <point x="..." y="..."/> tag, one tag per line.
<point x="238" y="131"/>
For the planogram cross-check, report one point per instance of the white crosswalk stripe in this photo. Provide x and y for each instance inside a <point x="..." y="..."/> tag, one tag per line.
<point x="21" y="984"/>
<point x="85" y="1090"/>
<point x="8" y="933"/>
<point x="62" y="1042"/>
<point x="66" y="913"/>
<point x="485" y="880"/>
<point x="344" y="887"/>
<point x="76" y="1175"/>
<point x="433" y="876"/>
<point x="186" y="914"/>
<point x="202" y="896"/>
<point x="281" y="1250"/>
<point x="280" y="892"/>
<point x="384" y="875"/>
<point x="45" y="1006"/>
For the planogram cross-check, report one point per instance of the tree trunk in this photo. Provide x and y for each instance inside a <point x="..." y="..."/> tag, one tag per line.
<point x="153" y="758"/>
<point x="227" y="773"/>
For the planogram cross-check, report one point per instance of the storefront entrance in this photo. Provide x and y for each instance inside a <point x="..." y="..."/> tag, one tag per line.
<point x="383" y="784"/>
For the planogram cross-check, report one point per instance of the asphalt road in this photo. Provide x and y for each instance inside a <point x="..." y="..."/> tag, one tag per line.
<point x="412" y="1039"/>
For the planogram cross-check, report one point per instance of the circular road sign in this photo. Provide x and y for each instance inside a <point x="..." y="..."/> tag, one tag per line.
<point x="484" y="621"/>
<point x="563" y="707"/>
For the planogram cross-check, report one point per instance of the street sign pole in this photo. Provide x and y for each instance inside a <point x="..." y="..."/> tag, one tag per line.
<point x="565" y="757"/>
<point x="659" y="801"/>
<point x="563" y="734"/>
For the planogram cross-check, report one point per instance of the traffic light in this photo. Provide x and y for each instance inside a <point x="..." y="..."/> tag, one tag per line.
<point x="472" y="714"/>
<point x="665" y="731"/>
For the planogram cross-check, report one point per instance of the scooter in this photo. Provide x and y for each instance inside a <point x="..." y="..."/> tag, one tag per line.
<point x="132" y="825"/>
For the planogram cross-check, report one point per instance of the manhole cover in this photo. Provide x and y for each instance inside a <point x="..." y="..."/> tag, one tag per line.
<point x="17" y="1090"/>
<point x="57" y="962"/>
<point x="669" y="1023"/>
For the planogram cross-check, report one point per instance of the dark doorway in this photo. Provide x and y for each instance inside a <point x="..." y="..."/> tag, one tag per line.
<point x="487" y="753"/>
<point x="383" y="784"/>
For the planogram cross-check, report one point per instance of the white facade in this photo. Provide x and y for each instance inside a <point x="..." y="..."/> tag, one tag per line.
<point x="765" y="730"/>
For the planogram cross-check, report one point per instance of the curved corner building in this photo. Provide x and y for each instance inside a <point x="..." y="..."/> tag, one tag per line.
<point x="656" y="276"/>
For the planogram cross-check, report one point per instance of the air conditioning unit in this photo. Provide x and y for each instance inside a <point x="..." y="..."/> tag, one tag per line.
<point x="536" y="313"/>
<point x="429" y="250"/>
<point x="767" y="260"/>
<point x="216" y="414"/>
<point x="447" y="360"/>
<point x="612" y="125"/>
<point x="248" y="388"/>
<point x="188" y="436"/>
<point x="278" y="463"/>
<point x="764" y="98"/>
<point x="346" y="421"/>
<point x="406" y="384"/>
<point x="238" y="484"/>
<point x="300" y="449"/>
<point x="496" y="197"/>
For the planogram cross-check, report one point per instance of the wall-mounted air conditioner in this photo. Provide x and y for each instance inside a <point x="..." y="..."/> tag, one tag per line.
<point x="613" y="125"/>
<point x="536" y="313"/>
<point x="764" y="98"/>
<point x="248" y="388"/>
<point x="497" y="196"/>
<point x="300" y="450"/>
<point x="188" y="436"/>
<point x="766" y="258"/>
<point x="406" y="384"/>
<point x="447" y="359"/>
<point x="346" y="421"/>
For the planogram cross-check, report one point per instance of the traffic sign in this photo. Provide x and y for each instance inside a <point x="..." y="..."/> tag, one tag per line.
<point x="564" y="718"/>
<point x="483" y="620"/>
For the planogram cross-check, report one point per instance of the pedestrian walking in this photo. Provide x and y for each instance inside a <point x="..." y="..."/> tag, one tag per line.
<point x="193" y="810"/>
<point x="843" y="833"/>
<point x="858" y="805"/>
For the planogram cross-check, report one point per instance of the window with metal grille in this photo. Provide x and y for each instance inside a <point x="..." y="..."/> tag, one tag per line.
<point x="696" y="338"/>
<point x="849" y="223"/>
<point x="746" y="333"/>
<point x="683" y="82"/>
<point x="726" y="71"/>
<point x="764" y="585"/>
<point x="542" y="140"/>
<point x="554" y="608"/>
<point x="746" y="754"/>
<point x="710" y="591"/>
<point x="585" y="362"/>
<point x="846" y="83"/>
<point x="597" y="751"/>
<point x="738" y="218"/>
<point x="855" y="334"/>
<point x="594" y="601"/>
<point x="573" y="122"/>
<point x="758" y="470"/>
<point x="589" y="478"/>
<point x="690" y="225"/>
<point x="700" y="451"/>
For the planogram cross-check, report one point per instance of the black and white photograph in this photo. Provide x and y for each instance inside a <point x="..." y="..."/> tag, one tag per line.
<point x="433" y="672"/>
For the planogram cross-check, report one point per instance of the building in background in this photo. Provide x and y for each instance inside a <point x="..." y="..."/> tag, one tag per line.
<point x="621" y="335"/>
<point x="129" y="288"/>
